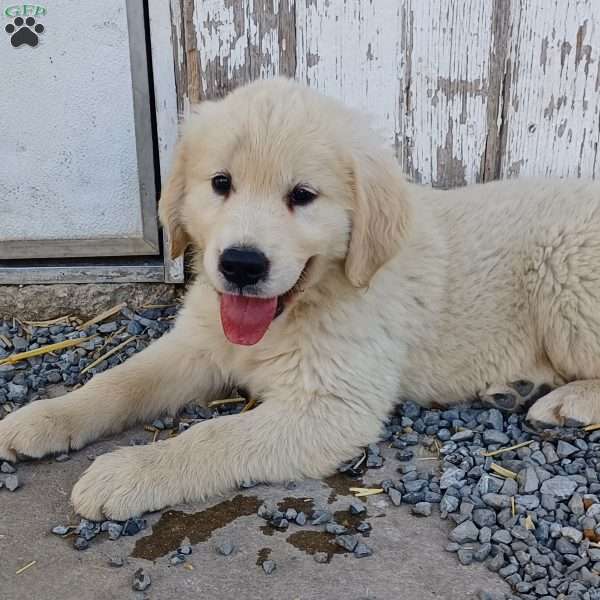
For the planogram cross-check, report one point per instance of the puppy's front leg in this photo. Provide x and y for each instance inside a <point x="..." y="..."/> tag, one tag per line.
<point x="277" y="441"/>
<point x="166" y="375"/>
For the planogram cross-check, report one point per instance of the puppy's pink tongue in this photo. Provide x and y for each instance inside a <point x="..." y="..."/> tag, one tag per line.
<point x="245" y="320"/>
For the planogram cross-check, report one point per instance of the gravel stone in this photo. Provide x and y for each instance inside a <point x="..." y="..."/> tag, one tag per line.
<point x="320" y="517"/>
<point x="224" y="547"/>
<point x="529" y="481"/>
<point x="502" y="537"/>
<point x="60" y="530"/>
<point x="509" y="488"/>
<point x="572" y="534"/>
<point x="362" y="550"/>
<point x="81" y="543"/>
<point x="576" y="505"/>
<point x="7" y="468"/>
<point x="465" y="532"/>
<point x="336" y="529"/>
<point x="497" y="501"/>
<point x="564" y="449"/>
<point x="493" y="436"/>
<point x="395" y="496"/>
<point x="114" y="530"/>
<point x="483" y="517"/>
<point x="357" y="508"/>
<point x="463" y="436"/>
<point x="321" y="557"/>
<point x="141" y="580"/>
<point x="348" y="542"/>
<point x="560" y="487"/>
<point x="363" y="527"/>
<point x="452" y="478"/>
<point x="483" y="552"/>
<point x="495" y="563"/>
<point x="465" y="556"/>
<point x="405" y="455"/>
<point x="422" y="509"/>
<point x="11" y="482"/>
<point x="550" y="453"/>
<point x="177" y="559"/>
<point x="449" y="503"/>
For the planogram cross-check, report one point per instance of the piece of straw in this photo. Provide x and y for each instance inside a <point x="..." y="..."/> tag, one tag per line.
<point x="361" y="492"/>
<point x="529" y="522"/>
<point x="15" y="358"/>
<point x="502" y="450"/>
<point x="249" y="405"/>
<point x="592" y="427"/>
<point x="226" y="401"/>
<point x="108" y="354"/>
<point x="63" y="319"/>
<point x="104" y="315"/>
<point x="502" y="471"/>
<point x="158" y="305"/>
<point x="19" y="571"/>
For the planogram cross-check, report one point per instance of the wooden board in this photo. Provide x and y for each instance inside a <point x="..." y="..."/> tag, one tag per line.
<point x="552" y="115"/>
<point x="463" y="90"/>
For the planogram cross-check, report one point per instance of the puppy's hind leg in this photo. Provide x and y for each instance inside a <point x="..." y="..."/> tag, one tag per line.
<point x="574" y="404"/>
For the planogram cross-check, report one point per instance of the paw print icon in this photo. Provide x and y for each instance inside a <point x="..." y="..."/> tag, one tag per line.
<point x="24" y="32"/>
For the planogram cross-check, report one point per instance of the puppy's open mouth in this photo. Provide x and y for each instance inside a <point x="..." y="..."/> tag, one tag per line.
<point x="245" y="319"/>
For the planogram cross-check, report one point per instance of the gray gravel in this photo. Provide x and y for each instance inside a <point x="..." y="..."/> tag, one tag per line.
<point x="141" y="581"/>
<point x="538" y="530"/>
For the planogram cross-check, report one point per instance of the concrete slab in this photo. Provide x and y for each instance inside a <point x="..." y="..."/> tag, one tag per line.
<point x="409" y="560"/>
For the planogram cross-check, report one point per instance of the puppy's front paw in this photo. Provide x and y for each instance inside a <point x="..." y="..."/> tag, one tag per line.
<point x="125" y="483"/>
<point x="36" y="430"/>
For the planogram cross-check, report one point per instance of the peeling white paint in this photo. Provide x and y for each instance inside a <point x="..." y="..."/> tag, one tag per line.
<point x="431" y="74"/>
<point x="446" y="122"/>
<point x="332" y="43"/>
<point x="231" y="40"/>
<point x="553" y="110"/>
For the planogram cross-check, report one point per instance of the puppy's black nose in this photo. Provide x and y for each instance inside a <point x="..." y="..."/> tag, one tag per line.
<point x="243" y="266"/>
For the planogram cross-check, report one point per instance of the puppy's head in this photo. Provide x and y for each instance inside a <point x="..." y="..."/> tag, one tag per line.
<point x="275" y="184"/>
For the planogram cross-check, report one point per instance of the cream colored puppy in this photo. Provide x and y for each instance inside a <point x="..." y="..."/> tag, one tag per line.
<point x="330" y="288"/>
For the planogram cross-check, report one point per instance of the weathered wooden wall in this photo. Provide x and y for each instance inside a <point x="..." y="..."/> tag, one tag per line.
<point x="464" y="90"/>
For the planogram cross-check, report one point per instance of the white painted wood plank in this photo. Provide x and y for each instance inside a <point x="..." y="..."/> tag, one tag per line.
<point x="449" y="49"/>
<point x="352" y="51"/>
<point x="553" y="109"/>
<point x="165" y="95"/>
<point x="241" y="41"/>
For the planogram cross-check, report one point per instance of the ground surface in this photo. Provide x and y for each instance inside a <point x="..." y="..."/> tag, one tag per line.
<point x="409" y="560"/>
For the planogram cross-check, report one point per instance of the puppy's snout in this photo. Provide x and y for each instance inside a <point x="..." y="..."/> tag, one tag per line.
<point x="243" y="266"/>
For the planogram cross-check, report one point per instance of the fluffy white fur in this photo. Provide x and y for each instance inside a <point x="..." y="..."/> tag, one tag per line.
<point x="411" y="293"/>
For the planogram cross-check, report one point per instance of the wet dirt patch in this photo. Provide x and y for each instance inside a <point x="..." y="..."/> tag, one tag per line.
<point x="312" y="542"/>
<point x="174" y="526"/>
<point x="263" y="554"/>
<point x="340" y="485"/>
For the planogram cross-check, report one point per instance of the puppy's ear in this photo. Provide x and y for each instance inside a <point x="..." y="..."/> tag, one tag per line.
<point x="170" y="205"/>
<point x="380" y="215"/>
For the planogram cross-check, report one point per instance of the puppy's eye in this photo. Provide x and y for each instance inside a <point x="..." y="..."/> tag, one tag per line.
<point x="301" y="196"/>
<point x="221" y="183"/>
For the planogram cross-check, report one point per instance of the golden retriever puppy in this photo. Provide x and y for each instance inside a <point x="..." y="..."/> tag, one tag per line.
<point x="330" y="288"/>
